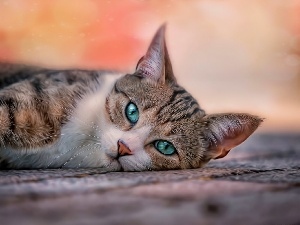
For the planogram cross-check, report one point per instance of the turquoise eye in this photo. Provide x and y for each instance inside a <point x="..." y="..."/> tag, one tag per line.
<point x="164" y="147"/>
<point x="132" y="112"/>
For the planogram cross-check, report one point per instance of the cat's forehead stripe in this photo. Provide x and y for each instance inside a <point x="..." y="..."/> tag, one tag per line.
<point x="176" y="92"/>
<point x="181" y="105"/>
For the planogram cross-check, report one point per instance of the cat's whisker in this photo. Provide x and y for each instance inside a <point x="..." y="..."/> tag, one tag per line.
<point x="97" y="126"/>
<point x="85" y="123"/>
<point x="90" y="153"/>
<point x="87" y="136"/>
<point x="64" y="153"/>
<point x="74" y="156"/>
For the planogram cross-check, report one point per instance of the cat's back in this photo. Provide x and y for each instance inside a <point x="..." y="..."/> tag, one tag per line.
<point x="13" y="73"/>
<point x="45" y="77"/>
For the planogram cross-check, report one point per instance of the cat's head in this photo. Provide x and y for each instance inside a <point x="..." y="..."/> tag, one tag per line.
<point x="155" y="124"/>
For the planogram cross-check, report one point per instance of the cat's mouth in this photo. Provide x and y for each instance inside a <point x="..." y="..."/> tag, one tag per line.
<point x="115" y="165"/>
<point x="121" y="163"/>
<point x="118" y="158"/>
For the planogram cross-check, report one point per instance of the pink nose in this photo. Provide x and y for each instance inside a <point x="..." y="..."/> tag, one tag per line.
<point x="123" y="148"/>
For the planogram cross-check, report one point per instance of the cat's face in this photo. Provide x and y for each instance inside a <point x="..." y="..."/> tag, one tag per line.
<point x="153" y="124"/>
<point x="157" y="123"/>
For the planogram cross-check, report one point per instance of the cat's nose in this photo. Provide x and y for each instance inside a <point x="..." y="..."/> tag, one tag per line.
<point x="123" y="148"/>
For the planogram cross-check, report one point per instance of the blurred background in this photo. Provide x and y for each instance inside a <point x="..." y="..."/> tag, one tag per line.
<point x="233" y="55"/>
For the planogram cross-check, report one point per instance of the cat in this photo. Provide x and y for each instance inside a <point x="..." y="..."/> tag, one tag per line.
<point x="92" y="118"/>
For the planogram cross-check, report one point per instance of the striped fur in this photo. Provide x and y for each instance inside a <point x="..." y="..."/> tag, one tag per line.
<point x="35" y="103"/>
<point x="76" y="118"/>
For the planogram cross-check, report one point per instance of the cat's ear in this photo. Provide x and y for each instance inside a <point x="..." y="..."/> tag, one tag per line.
<point x="222" y="132"/>
<point x="156" y="64"/>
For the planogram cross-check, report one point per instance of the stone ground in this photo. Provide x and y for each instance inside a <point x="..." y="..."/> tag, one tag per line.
<point x="257" y="183"/>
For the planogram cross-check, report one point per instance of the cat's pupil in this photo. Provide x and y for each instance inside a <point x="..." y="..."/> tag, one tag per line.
<point x="164" y="147"/>
<point x="132" y="113"/>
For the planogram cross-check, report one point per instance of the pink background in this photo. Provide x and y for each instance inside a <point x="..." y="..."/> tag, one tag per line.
<point x="234" y="55"/>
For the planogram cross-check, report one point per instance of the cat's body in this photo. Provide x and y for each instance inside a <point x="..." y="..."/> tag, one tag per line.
<point x="37" y="141"/>
<point x="82" y="118"/>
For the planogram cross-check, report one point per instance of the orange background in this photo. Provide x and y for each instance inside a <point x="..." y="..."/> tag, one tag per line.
<point x="234" y="55"/>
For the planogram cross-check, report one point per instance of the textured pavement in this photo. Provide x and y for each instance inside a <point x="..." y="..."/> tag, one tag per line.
<point x="257" y="183"/>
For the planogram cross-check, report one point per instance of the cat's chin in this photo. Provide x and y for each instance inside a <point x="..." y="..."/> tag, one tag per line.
<point x="114" y="166"/>
<point x="118" y="164"/>
<point x="129" y="163"/>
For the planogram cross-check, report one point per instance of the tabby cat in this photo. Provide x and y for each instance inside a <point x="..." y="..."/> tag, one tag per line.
<point x="89" y="118"/>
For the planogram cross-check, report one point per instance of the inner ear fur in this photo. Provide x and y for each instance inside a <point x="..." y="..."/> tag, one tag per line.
<point x="223" y="132"/>
<point x="156" y="63"/>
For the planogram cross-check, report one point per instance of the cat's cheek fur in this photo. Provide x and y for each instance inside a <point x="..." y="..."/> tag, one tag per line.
<point x="163" y="162"/>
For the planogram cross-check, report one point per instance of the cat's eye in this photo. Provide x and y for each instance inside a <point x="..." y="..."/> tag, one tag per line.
<point x="164" y="147"/>
<point x="132" y="112"/>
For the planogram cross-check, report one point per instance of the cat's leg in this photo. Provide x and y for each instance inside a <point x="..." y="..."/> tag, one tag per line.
<point x="23" y="126"/>
<point x="29" y="119"/>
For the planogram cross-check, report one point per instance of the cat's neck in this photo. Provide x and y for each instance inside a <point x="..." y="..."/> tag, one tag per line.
<point x="90" y="110"/>
<point x="86" y="125"/>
